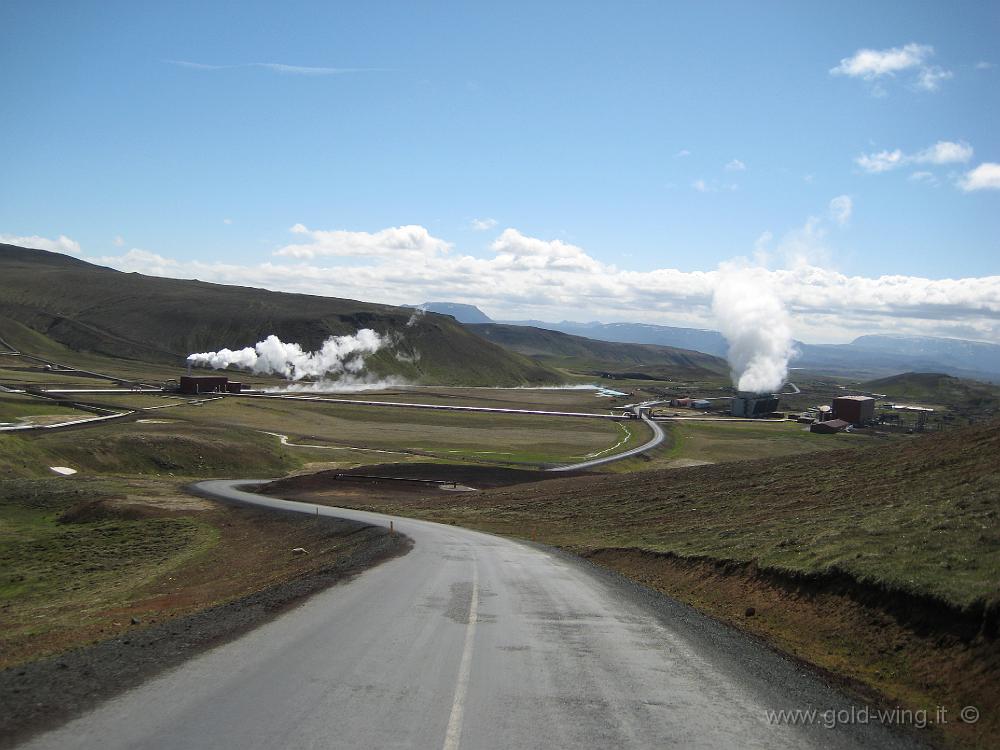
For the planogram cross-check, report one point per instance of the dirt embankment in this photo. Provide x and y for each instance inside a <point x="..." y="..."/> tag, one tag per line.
<point x="175" y="617"/>
<point x="888" y="647"/>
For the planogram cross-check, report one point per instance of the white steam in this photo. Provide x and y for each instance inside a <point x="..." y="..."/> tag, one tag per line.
<point x="754" y="320"/>
<point x="339" y="357"/>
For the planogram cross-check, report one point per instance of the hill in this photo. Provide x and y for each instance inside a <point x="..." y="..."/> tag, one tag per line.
<point x="938" y="388"/>
<point x="565" y="350"/>
<point x="90" y="308"/>
<point x="461" y="313"/>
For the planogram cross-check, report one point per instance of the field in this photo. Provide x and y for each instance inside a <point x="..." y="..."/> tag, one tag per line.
<point x="17" y="407"/>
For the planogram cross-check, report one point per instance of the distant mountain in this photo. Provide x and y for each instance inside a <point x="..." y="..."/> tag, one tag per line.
<point x="878" y="356"/>
<point x="696" y="339"/>
<point x="158" y="320"/>
<point x="559" y="349"/>
<point x="461" y="313"/>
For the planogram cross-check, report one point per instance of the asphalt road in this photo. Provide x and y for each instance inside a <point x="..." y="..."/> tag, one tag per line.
<point x="472" y="641"/>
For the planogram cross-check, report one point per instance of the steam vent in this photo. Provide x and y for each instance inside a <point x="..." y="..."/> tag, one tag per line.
<point x="747" y="404"/>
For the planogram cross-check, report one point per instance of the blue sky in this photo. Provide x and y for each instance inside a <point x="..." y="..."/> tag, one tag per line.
<point x="195" y="136"/>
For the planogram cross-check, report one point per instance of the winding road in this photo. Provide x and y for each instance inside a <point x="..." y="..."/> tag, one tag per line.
<point x="472" y="641"/>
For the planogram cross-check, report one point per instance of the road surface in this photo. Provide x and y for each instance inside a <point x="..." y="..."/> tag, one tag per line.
<point x="471" y="641"/>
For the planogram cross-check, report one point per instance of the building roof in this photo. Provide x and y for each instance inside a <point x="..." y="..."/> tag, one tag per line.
<point x="837" y="424"/>
<point x="853" y="398"/>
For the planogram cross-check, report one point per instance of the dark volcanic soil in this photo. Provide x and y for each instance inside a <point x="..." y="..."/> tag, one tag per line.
<point x="43" y="694"/>
<point x="479" y="477"/>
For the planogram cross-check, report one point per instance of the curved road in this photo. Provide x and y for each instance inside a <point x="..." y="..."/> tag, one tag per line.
<point x="471" y="641"/>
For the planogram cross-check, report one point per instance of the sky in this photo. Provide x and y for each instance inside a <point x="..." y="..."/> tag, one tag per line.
<point x="547" y="160"/>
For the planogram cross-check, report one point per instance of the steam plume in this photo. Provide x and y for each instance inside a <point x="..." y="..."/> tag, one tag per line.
<point x="339" y="355"/>
<point x="754" y="320"/>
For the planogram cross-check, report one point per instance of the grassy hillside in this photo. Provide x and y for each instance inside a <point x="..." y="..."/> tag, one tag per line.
<point x="937" y="388"/>
<point x="92" y="309"/>
<point x="576" y="352"/>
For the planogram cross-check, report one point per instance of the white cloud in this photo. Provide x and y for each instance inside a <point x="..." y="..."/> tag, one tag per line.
<point x="945" y="152"/>
<point x="227" y="221"/>
<point x="871" y="63"/>
<point x="700" y="186"/>
<point x="682" y="153"/>
<point x="736" y="166"/>
<point x="984" y="65"/>
<point x="926" y="178"/>
<point x="305" y="70"/>
<point x="942" y="152"/>
<point x="882" y="161"/>
<point x="481" y="225"/>
<point x="984" y="177"/>
<point x="874" y="65"/>
<point x="411" y="242"/>
<point x="841" y="208"/>
<point x="119" y="241"/>
<point x="62" y="244"/>
<point x="930" y="78"/>
<point x="551" y="279"/>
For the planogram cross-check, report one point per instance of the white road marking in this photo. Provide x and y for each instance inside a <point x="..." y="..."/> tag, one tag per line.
<point x="454" y="733"/>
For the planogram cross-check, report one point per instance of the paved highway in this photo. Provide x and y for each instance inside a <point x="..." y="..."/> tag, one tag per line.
<point x="471" y="641"/>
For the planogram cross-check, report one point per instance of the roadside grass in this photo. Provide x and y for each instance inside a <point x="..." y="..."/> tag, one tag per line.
<point x="87" y="559"/>
<point x="63" y="562"/>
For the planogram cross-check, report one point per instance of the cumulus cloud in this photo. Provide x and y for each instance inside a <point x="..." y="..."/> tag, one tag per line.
<point x="119" y="241"/>
<point x="942" y="152"/>
<point x="540" y="278"/>
<point x="930" y="78"/>
<point x="736" y="166"/>
<point x="410" y="241"/>
<point x="840" y="209"/>
<point x="482" y="225"/>
<point x="875" y="65"/>
<point x="62" y="244"/>
<point x="984" y="177"/>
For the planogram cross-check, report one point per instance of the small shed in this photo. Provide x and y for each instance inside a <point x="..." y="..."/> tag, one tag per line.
<point x="829" y="427"/>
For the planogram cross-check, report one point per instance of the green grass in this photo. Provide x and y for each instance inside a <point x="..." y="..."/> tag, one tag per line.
<point x="129" y="448"/>
<point x="58" y="564"/>
<point x="513" y="438"/>
<point x="15" y="406"/>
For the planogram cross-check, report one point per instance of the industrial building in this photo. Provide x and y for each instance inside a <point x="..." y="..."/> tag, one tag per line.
<point x="857" y="410"/>
<point x="196" y="384"/>
<point x="747" y="404"/>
